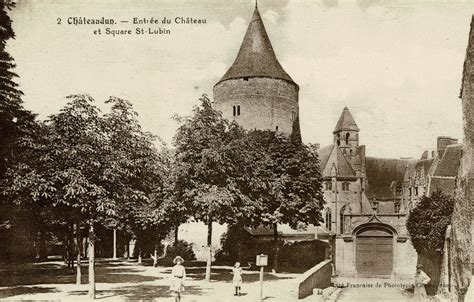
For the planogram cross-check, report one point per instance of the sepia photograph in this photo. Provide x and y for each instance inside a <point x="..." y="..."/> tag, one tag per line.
<point x="239" y="150"/>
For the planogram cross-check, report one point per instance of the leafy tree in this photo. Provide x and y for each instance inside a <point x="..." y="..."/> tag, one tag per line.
<point x="288" y="185"/>
<point x="15" y="122"/>
<point x="146" y="174"/>
<point x="205" y="169"/>
<point x="91" y="167"/>
<point x="14" y="119"/>
<point x="227" y="175"/>
<point x="427" y="223"/>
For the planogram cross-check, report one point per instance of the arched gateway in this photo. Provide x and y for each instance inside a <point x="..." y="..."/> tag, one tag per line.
<point x="374" y="250"/>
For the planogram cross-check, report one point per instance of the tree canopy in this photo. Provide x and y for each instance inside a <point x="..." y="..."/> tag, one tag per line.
<point x="427" y="222"/>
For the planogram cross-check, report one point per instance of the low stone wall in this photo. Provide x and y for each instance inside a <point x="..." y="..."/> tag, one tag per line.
<point x="318" y="276"/>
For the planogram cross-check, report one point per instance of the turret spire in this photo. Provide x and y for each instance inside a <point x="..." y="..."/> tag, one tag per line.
<point x="256" y="57"/>
<point x="346" y="122"/>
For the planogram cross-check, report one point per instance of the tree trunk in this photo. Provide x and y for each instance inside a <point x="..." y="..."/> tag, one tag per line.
<point x="114" y="255"/>
<point x="91" y="261"/>
<point x="78" y="243"/>
<point x="155" y="256"/>
<point x="176" y="230"/>
<point x="209" y="257"/>
<point x="275" y="248"/>
<point x="139" y="252"/>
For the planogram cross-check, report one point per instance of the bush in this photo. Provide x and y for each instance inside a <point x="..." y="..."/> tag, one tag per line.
<point x="181" y="248"/>
<point x="428" y="221"/>
<point x="238" y="245"/>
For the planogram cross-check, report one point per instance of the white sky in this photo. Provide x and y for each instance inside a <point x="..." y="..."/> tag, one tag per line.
<point x="397" y="65"/>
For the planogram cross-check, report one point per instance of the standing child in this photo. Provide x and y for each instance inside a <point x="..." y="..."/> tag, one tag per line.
<point x="421" y="279"/>
<point x="237" y="280"/>
<point x="178" y="274"/>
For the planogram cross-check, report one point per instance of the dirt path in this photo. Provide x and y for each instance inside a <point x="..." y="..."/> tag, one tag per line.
<point x="121" y="280"/>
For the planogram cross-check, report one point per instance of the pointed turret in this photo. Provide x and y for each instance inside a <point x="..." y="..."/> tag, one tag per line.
<point x="346" y="134"/>
<point x="256" y="57"/>
<point x="256" y="92"/>
<point x="346" y="122"/>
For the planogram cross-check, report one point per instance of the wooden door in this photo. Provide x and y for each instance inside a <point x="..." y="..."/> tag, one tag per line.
<point x="374" y="254"/>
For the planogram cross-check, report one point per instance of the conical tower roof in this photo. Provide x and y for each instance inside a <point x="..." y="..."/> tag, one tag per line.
<point x="256" y="57"/>
<point x="346" y="122"/>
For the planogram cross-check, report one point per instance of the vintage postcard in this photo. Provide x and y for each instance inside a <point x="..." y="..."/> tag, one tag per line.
<point x="244" y="150"/>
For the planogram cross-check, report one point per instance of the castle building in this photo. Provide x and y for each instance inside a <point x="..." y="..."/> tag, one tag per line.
<point x="256" y="91"/>
<point x="434" y="171"/>
<point x="364" y="215"/>
<point x="368" y="199"/>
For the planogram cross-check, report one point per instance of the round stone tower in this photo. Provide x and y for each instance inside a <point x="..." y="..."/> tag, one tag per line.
<point x="256" y="91"/>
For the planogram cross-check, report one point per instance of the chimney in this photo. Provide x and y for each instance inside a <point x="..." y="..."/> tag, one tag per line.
<point x="428" y="154"/>
<point x="443" y="142"/>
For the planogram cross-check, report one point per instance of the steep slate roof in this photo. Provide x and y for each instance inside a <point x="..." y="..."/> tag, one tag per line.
<point x="332" y="154"/>
<point x="324" y="153"/>
<point x="446" y="185"/>
<point x="256" y="57"/>
<point x="380" y="174"/>
<point x="418" y="168"/>
<point x="425" y="164"/>
<point x="346" y="122"/>
<point x="449" y="164"/>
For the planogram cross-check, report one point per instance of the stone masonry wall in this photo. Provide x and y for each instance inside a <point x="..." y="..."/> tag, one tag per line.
<point x="265" y="103"/>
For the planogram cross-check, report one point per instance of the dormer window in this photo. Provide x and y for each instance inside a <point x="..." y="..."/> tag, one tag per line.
<point x="397" y="207"/>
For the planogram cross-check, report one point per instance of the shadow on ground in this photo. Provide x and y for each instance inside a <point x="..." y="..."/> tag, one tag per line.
<point x="225" y="275"/>
<point x="140" y="292"/>
<point x="57" y="273"/>
<point x="25" y="290"/>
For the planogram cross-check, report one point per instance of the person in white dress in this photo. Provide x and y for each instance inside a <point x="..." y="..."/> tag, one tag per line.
<point x="237" y="279"/>
<point x="178" y="275"/>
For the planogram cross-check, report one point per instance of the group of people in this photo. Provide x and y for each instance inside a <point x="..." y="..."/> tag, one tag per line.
<point x="178" y="275"/>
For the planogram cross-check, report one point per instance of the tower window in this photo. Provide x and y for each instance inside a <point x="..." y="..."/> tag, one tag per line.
<point x="238" y="109"/>
<point x="276" y="128"/>
<point x="328" y="219"/>
<point x="345" y="186"/>
<point x="234" y="110"/>
<point x="246" y="79"/>
<point x="328" y="185"/>
<point x="293" y="115"/>
<point x="347" y="138"/>
<point x="341" y="219"/>
<point x="397" y="207"/>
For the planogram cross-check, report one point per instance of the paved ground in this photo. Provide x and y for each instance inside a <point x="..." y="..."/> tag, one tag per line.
<point x="122" y="280"/>
<point x="365" y="290"/>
